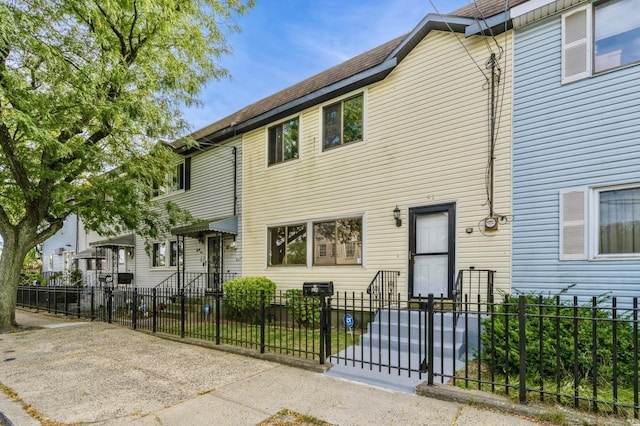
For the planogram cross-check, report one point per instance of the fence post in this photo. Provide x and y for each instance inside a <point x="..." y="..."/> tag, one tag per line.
<point x="182" y="311"/>
<point x="430" y="337"/>
<point x="134" y="308"/>
<point x="79" y="290"/>
<point x="323" y="331"/>
<point x="109" y="304"/>
<point x="263" y="316"/>
<point x="522" y="323"/>
<point x="153" y="306"/>
<point x="92" y="302"/>
<point x="37" y="301"/>
<point x="217" y="295"/>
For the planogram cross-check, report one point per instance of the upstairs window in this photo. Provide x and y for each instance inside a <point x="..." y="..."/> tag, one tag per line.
<point x="600" y="37"/>
<point x="283" y="141"/>
<point x="178" y="179"/>
<point x="342" y="122"/>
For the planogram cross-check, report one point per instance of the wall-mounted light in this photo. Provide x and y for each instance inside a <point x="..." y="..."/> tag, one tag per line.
<point x="396" y="216"/>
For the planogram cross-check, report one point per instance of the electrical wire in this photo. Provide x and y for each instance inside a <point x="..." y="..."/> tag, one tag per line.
<point x="457" y="38"/>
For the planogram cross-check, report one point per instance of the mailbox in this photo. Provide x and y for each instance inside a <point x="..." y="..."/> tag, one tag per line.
<point x="318" y="289"/>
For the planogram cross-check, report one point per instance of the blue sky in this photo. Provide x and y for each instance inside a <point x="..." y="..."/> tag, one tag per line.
<point x="285" y="41"/>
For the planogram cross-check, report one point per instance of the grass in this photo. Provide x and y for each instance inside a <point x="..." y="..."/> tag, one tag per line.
<point x="480" y="378"/>
<point x="289" y="417"/>
<point x="289" y="340"/>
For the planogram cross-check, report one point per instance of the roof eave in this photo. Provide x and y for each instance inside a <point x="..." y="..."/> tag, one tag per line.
<point x="364" y="78"/>
<point x="496" y="24"/>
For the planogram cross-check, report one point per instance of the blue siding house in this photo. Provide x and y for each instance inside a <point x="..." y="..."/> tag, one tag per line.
<point x="576" y="147"/>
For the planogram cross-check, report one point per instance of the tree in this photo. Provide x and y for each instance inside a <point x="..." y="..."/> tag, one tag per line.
<point x="88" y="88"/>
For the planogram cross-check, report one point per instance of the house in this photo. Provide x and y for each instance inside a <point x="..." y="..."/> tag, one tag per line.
<point x="391" y="161"/>
<point x="576" y="150"/>
<point x="207" y="182"/>
<point x="97" y="259"/>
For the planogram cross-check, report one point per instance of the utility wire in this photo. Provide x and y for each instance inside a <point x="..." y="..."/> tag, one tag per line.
<point x="457" y="38"/>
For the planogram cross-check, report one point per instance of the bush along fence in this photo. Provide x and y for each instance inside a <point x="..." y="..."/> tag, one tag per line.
<point x="578" y="353"/>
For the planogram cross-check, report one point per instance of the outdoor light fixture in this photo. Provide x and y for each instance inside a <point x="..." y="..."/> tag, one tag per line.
<point x="396" y="216"/>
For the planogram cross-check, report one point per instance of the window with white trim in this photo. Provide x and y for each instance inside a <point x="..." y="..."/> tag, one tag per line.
<point x="287" y="245"/>
<point x="600" y="223"/>
<point x="158" y="255"/>
<point x="179" y="179"/>
<point x="599" y="37"/>
<point x="338" y="242"/>
<point x="283" y="141"/>
<point x="342" y="122"/>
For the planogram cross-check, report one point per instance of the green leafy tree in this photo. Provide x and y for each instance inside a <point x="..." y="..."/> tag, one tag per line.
<point x="87" y="86"/>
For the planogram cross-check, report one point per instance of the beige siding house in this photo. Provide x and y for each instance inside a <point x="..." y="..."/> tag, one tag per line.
<point x="396" y="160"/>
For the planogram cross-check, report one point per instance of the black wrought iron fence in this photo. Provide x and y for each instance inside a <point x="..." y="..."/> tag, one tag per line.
<point x="578" y="353"/>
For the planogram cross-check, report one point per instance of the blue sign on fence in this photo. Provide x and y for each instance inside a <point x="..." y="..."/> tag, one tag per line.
<point x="348" y="321"/>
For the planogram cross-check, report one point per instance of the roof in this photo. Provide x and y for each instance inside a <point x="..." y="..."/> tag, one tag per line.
<point x="366" y="68"/>
<point x="120" y="241"/>
<point x="227" y="225"/>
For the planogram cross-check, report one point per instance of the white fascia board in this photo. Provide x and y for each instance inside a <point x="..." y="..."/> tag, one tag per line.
<point x="529" y="6"/>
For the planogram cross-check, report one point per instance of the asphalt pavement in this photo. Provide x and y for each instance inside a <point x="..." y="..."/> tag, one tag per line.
<point x="66" y="371"/>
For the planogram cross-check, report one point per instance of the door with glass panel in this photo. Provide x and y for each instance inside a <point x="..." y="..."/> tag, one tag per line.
<point x="214" y="260"/>
<point x="432" y="250"/>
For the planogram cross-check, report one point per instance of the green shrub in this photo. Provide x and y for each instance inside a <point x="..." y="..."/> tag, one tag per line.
<point x="553" y="325"/>
<point x="305" y="310"/>
<point x="243" y="296"/>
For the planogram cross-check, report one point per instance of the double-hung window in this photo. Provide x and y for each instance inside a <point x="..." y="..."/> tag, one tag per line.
<point x="178" y="179"/>
<point x="284" y="141"/>
<point x="338" y="242"/>
<point x="600" y="223"/>
<point x="158" y="255"/>
<point x="599" y="37"/>
<point x="342" y="122"/>
<point x="287" y="245"/>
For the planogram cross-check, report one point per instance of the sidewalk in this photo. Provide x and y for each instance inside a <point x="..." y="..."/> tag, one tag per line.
<point x="78" y="372"/>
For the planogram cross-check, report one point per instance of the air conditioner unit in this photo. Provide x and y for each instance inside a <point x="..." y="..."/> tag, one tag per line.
<point x="59" y="251"/>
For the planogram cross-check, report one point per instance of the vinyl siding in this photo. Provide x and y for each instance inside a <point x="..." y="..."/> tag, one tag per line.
<point x="64" y="239"/>
<point x="582" y="134"/>
<point x="426" y="143"/>
<point x="210" y="197"/>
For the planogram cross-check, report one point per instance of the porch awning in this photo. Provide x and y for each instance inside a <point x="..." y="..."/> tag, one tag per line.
<point x="90" y="253"/>
<point x="121" y="241"/>
<point x="227" y="225"/>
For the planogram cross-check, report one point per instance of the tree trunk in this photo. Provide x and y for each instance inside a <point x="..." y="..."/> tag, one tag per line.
<point x="10" y="267"/>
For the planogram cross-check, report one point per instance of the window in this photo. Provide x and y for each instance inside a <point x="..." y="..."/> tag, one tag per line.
<point x="342" y="122"/>
<point x="177" y="180"/>
<point x="618" y="221"/>
<point x="158" y="255"/>
<point x="338" y="242"/>
<point x="607" y="219"/>
<point x="288" y="245"/>
<point x="95" y="264"/>
<point x="174" y="257"/>
<point x="597" y="38"/>
<point x="283" y="141"/>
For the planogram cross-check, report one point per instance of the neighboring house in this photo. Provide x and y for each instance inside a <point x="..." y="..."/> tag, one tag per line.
<point x="58" y="251"/>
<point x="400" y="131"/>
<point x="207" y="183"/>
<point x="576" y="147"/>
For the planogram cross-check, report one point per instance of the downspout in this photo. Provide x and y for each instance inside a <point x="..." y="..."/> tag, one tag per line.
<point x="235" y="180"/>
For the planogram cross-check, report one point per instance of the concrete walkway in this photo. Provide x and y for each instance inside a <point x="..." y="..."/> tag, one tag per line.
<point x="78" y="372"/>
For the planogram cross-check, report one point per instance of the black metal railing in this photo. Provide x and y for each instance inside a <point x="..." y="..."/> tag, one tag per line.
<point x="562" y="351"/>
<point x="473" y="282"/>
<point x="210" y="282"/>
<point x="384" y="287"/>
